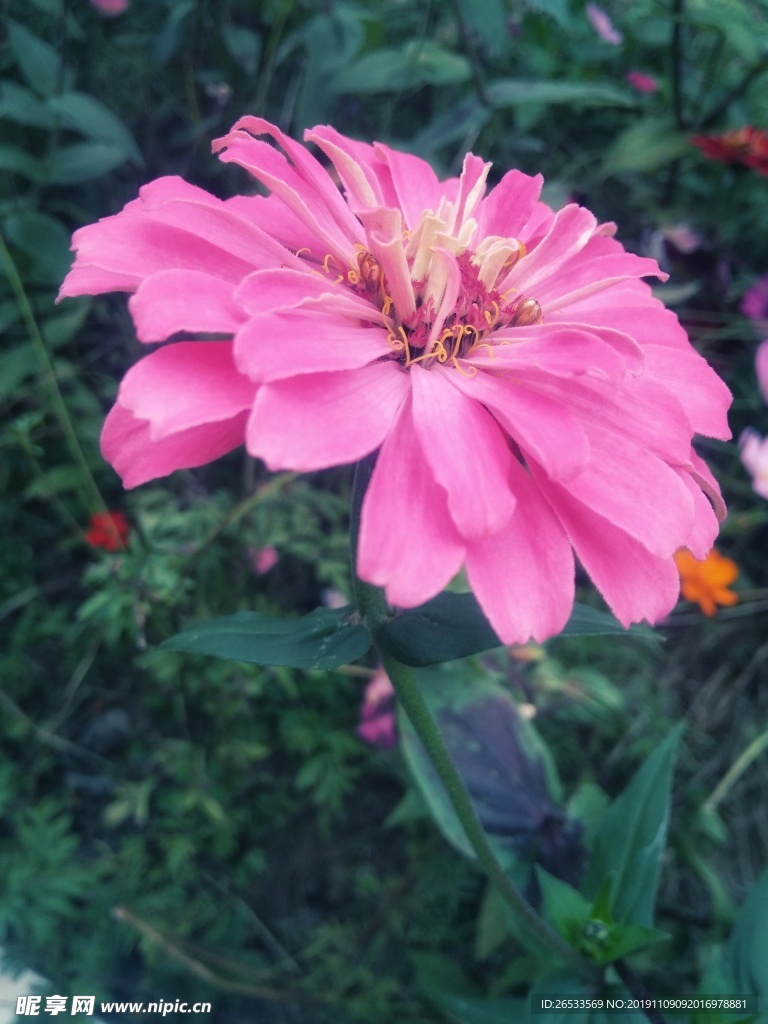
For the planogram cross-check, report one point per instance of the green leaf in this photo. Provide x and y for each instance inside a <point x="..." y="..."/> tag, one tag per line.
<point x="85" y="114"/>
<point x="630" y="843"/>
<point x="469" y="1010"/>
<point x="646" y="146"/>
<point x="244" y="45"/>
<point x="38" y="61"/>
<point x="443" y="982"/>
<point x="448" y="627"/>
<point x="735" y="20"/>
<point x="391" y="69"/>
<point x="509" y="92"/>
<point x="747" y="951"/>
<point x="17" y="362"/>
<point x="453" y="626"/>
<point x="84" y="161"/>
<point x="20" y="105"/>
<point x="590" y="928"/>
<point x="324" y="639"/>
<point x="44" y="240"/>
<point x="556" y="9"/>
<point x="488" y="18"/>
<point x="467" y="118"/>
<point x="16" y="161"/>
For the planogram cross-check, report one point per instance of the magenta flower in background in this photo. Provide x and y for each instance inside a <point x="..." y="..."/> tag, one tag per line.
<point x="642" y="82"/>
<point x="754" y="455"/>
<point x="528" y="397"/>
<point x="603" y="25"/>
<point x="111" y="8"/>
<point x="378" y="727"/>
<point x="754" y="303"/>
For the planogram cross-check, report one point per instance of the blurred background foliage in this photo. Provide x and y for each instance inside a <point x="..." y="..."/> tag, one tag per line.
<point x="188" y="828"/>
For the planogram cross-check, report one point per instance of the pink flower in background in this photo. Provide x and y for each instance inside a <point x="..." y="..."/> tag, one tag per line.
<point x="754" y="455"/>
<point x="377" y="713"/>
<point x="761" y="367"/>
<point x="754" y="303"/>
<point x="642" y="82"/>
<point x="528" y="397"/>
<point x="111" y="8"/>
<point x="603" y="25"/>
<point x="263" y="559"/>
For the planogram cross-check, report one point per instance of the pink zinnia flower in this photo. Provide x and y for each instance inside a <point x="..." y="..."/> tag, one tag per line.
<point x="603" y="25"/>
<point x="378" y="727"/>
<point x="111" y="8"/>
<point x="642" y="82"/>
<point x="527" y="395"/>
<point x="754" y="455"/>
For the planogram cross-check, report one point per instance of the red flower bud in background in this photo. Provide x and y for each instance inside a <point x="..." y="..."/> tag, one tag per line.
<point x="108" y="531"/>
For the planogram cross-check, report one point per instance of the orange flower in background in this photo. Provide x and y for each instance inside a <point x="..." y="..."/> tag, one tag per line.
<point x="747" y="146"/>
<point x="706" y="582"/>
<point x="108" y="531"/>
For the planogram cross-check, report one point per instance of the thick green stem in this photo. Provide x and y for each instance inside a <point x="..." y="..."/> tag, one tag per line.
<point x="372" y="605"/>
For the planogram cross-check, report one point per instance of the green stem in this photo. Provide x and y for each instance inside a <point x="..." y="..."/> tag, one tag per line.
<point x="375" y="611"/>
<point x="95" y="502"/>
<point x="737" y="769"/>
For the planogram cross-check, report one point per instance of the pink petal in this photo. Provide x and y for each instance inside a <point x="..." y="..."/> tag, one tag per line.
<point x="303" y="185"/>
<point x="626" y="306"/>
<point x="507" y="208"/>
<point x="523" y="576"/>
<point x="118" y="253"/>
<point x="317" y="420"/>
<point x="179" y="407"/>
<point x="415" y="184"/>
<point x="571" y="229"/>
<point x="702" y="537"/>
<point x="354" y="164"/>
<point x="566" y="351"/>
<point x="625" y="410"/>
<point x="272" y="215"/>
<point x="635" y="584"/>
<point x="702" y="474"/>
<point x="636" y="491"/>
<point x="186" y="385"/>
<point x="408" y="543"/>
<point x="466" y="451"/>
<point x="632" y="354"/>
<point x="582" y="279"/>
<point x="474" y="171"/>
<point x="183" y="300"/>
<point x="127" y="444"/>
<point x="283" y="344"/>
<point x="384" y="229"/>
<point x="538" y="424"/>
<point x="221" y="224"/>
<point x="271" y="290"/>
<point x="701" y="392"/>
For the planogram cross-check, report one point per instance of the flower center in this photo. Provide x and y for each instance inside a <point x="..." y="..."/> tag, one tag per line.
<point x="430" y="334"/>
